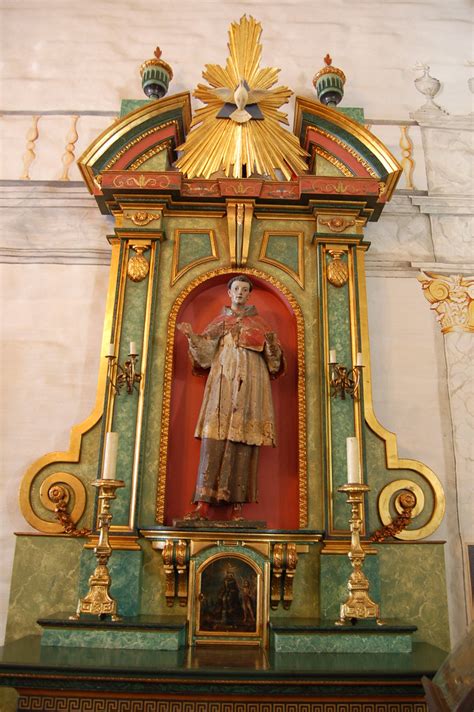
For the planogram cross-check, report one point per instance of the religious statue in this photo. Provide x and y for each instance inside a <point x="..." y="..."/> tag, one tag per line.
<point x="242" y="354"/>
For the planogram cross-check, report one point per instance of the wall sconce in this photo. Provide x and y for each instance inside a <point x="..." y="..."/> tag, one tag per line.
<point x="343" y="380"/>
<point x="125" y="375"/>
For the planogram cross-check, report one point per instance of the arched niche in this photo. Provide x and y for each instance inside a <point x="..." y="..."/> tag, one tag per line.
<point x="280" y="486"/>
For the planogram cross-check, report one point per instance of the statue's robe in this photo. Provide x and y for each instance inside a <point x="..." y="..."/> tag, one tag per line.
<point x="242" y="353"/>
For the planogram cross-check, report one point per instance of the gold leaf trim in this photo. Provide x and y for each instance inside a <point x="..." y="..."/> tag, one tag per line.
<point x="452" y="298"/>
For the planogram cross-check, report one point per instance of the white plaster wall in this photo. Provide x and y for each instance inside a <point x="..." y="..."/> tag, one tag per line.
<point x="84" y="57"/>
<point x="51" y="321"/>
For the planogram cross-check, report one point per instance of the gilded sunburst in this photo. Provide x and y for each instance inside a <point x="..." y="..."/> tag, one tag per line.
<point x="238" y="130"/>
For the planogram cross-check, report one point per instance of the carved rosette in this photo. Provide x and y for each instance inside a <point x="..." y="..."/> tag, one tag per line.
<point x="452" y="298"/>
<point x="337" y="271"/>
<point x="138" y="267"/>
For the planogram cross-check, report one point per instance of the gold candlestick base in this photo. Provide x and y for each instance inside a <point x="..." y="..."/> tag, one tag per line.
<point x="359" y="605"/>
<point x="98" y="601"/>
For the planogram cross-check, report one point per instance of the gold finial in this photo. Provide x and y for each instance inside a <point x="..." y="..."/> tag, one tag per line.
<point x="156" y="75"/>
<point x="329" y="83"/>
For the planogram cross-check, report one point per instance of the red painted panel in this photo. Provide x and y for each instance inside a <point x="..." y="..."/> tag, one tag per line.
<point x="338" y="151"/>
<point x="278" y="467"/>
<point x="146" y="142"/>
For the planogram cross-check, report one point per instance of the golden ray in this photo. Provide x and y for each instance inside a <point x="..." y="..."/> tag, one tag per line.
<point x="238" y="130"/>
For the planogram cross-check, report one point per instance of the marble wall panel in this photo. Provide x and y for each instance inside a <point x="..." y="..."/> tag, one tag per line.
<point x="403" y="233"/>
<point x="52" y="224"/>
<point x="449" y="159"/>
<point x="453" y="238"/>
<point x="460" y="359"/>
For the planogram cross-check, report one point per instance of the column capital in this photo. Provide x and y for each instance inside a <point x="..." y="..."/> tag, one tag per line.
<point x="452" y="298"/>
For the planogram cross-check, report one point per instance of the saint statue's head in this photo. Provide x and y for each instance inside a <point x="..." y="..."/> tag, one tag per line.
<point x="238" y="289"/>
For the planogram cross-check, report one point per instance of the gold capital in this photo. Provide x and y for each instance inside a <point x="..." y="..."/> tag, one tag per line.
<point x="452" y="298"/>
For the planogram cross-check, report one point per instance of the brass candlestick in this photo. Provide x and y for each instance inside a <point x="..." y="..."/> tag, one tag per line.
<point x="98" y="601"/>
<point x="358" y="605"/>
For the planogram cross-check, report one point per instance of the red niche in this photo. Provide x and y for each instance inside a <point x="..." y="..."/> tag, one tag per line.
<point x="278" y="483"/>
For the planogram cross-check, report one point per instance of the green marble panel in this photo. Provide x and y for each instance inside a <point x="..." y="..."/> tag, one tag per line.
<point x="413" y="588"/>
<point x="44" y="579"/>
<point x="109" y="639"/>
<point x="129" y="105"/>
<point x="126" y="405"/>
<point x="338" y="642"/>
<point x="159" y="162"/>
<point x="306" y="586"/>
<point x="283" y="249"/>
<point x="353" y="112"/>
<point x="341" y="410"/>
<point x="193" y="246"/>
<point x="335" y="572"/>
<point x="125" y="569"/>
<point x="407" y="580"/>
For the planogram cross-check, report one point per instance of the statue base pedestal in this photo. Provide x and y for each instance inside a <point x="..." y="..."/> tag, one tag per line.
<point x="219" y="524"/>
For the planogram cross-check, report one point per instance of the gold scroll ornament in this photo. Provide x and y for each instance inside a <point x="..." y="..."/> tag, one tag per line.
<point x="452" y="298"/>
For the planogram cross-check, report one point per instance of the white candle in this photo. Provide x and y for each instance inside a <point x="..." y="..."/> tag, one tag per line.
<point x="353" y="472"/>
<point x="359" y="360"/>
<point x="133" y="348"/>
<point x="110" y="456"/>
<point x="111" y="350"/>
<point x="332" y="356"/>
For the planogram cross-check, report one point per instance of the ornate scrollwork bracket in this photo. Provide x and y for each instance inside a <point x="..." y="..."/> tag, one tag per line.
<point x="176" y="564"/>
<point x="284" y="562"/>
<point x="407" y="502"/>
<point x="59" y="495"/>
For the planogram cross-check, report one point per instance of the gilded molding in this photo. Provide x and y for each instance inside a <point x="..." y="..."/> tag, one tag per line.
<point x="120" y="128"/>
<point x="297" y="276"/>
<point x="452" y="298"/>
<point x="368" y="139"/>
<point x="239" y="228"/>
<point x="134" y="142"/>
<point x="168" y="375"/>
<point x="177" y="274"/>
<point x="393" y="462"/>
